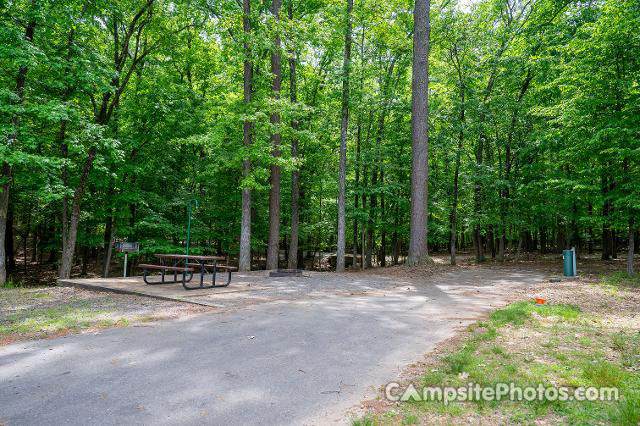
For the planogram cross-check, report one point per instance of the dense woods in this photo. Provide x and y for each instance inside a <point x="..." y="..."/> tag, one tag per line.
<point x="289" y="125"/>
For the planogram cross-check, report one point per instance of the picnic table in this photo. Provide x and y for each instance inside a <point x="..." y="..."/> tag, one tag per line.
<point x="187" y="265"/>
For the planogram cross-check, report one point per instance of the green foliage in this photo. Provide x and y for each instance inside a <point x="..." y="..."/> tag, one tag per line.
<point x="536" y="110"/>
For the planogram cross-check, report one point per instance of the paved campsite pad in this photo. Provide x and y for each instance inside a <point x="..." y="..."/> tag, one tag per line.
<point x="136" y="286"/>
<point x="301" y="351"/>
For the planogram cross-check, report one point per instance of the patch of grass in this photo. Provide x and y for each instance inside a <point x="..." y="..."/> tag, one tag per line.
<point x="619" y="342"/>
<point x="365" y="421"/>
<point x="41" y="295"/>
<point x="11" y="284"/>
<point x="603" y="374"/>
<point x="52" y="320"/>
<point x="629" y="346"/>
<point x="518" y="313"/>
<point x="620" y="279"/>
<point x="627" y="412"/>
<point x="460" y="361"/>
<point x="615" y="281"/>
<point x="498" y="350"/>
<point x="529" y="345"/>
<point x="515" y="314"/>
<point x="410" y="419"/>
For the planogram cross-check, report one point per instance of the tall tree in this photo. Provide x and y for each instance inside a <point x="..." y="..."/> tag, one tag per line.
<point x="455" y="58"/>
<point x="273" y="249"/>
<point x="344" y="127"/>
<point x="244" y="258"/>
<point x="418" y="252"/>
<point x="292" y="262"/>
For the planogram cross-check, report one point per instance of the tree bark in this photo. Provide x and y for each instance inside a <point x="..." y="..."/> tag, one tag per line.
<point x="346" y="65"/>
<point x="244" y="258"/>
<point x="418" y="251"/>
<point x="383" y="231"/>
<point x="394" y="236"/>
<point x="365" y="247"/>
<point x="356" y="235"/>
<point x="631" y="247"/>
<point x="356" y="198"/>
<point x="273" y="249"/>
<point x="109" y="249"/>
<point x="292" y="262"/>
<point x="9" y="245"/>
<point x="606" y="232"/>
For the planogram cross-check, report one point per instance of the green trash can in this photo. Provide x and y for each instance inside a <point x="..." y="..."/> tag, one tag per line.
<point x="569" y="263"/>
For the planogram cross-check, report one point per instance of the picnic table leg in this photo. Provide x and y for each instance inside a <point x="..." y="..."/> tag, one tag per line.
<point x="213" y="279"/>
<point x="228" y="279"/>
<point x="175" y="272"/>
<point x="201" y="272"/>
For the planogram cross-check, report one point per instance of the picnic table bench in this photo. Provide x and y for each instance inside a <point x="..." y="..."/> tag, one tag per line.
<point x="192" y="263"/>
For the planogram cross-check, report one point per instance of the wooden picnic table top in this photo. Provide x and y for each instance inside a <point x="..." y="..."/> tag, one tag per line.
<point x="194" y="257"/>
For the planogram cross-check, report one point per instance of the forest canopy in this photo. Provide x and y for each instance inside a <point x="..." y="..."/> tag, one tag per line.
<point x="117" y="116"/>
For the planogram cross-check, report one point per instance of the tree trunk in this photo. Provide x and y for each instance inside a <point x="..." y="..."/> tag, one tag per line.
<point x="273" y="249"/>
<point x="394" y="237"/>
<point x="4" y="223"/>
<point x="343" y="140"/>
<point x="377" y="163"/>
<point x="295" y="175"/>
<point x="36" y="244"/>
<point x="456" y="174"/>
<point x="356" y="199"/>
<point x="591" y="237"/>
<point x="383" y="231"/>
<point x="418" y="251"/>
<point x="606" y="232"/>
<point x="491" y="241"/>
<point x="9" y="246"/>
<point x="295" y="180"/>
<point x="25" y="239"/>
<point x="70" y="230"/>
<point x="356" y="235"/>
<point x="631" y="247"/>
<point x="108" y="233"/>
<point x="365" y="263"/>
<point x="109" y="249"/>
<point x="244" y="258"/>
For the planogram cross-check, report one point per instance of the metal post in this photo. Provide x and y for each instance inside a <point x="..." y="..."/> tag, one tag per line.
<point x="188" y="227"/>
<point x="189" y="210"/>
<point x="125" y="264"/>
<point x="575" y="272"/>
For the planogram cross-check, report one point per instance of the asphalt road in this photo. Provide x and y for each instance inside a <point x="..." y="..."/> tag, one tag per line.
<point x="300" y="361"/>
